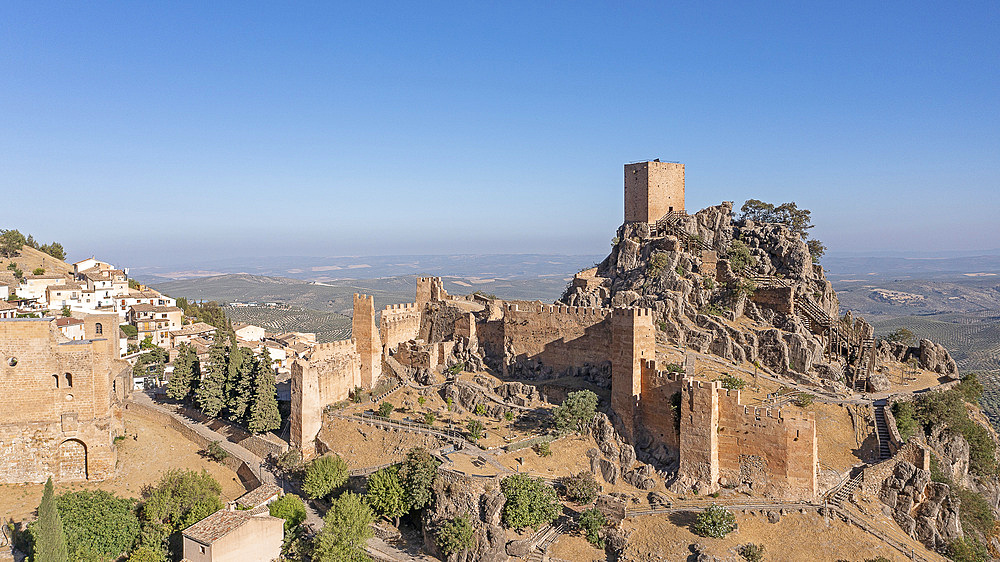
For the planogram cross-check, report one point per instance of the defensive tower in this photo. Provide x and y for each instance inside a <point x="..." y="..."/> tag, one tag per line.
<point x="653" y="189"/>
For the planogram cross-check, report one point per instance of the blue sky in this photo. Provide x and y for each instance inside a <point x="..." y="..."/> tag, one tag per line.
<point x="145" y="132"/>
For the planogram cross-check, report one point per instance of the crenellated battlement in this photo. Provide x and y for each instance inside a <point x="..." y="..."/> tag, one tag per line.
<point x="399" y="308"/>
<point x="633" y="312"/>
<point x="330" y="349"/>
<point x="577" y="311"/>
<point x="690" y="384"/>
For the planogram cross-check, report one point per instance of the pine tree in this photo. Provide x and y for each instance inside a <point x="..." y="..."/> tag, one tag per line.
<point x="180" y="381"/>
<point x="50" y="539"/>
<point x="264" y="415"/>
<point x="211" y="392"/>
<point x="240" y="383"/>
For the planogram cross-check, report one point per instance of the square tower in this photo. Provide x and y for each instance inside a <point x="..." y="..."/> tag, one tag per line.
<point x="653" y="189"/>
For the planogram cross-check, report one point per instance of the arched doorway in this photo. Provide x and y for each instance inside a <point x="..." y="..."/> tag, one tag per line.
<point x="72" y="460"/>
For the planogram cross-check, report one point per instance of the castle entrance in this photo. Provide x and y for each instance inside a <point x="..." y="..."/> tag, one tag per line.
<point x="72" y="460"/>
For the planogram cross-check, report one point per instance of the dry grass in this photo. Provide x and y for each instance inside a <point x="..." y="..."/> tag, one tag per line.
<point x="575" y="548"/>
<point x="30" y="258"/>
<point x="362" y="446"/>
<point x="141" y="461"/>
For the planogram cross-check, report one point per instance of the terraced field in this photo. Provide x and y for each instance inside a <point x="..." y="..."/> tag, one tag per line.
<point x="973" y="338"/>
<point x="328" y="326"/>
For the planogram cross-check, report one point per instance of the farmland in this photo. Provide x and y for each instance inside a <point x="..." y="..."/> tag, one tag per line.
<point x="328" y="326"/>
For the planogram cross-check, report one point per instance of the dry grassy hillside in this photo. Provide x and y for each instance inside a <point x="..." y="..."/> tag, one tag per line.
<point x="30" y="258"/>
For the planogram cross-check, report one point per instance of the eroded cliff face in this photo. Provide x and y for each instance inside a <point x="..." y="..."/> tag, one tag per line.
<point x="480" y="499"/>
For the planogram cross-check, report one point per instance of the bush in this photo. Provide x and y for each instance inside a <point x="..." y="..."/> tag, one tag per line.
<point x="289" y="507"/>
<point x="456" y="535"/>
<point x="429" y="418"/>
<point x="324" y="475"/>
<point x="508" y="415"/>
<point x="542" y="449"/>
<point x="422" y="400"/>
<point x="732" y="382"/>
<point x="967" y="549"/>
<point x="576" y="411"/>
<point x="289" y="461"/>
<point x="905" y="422"/>
<point x="385" y="409"/>
<point x="715" y="521"/>
<point x="752" y="552"/>
<point x="480" y="409"/>
<point x="530" y="502"/>
<point x="804" y="399"/>
<point x="657" y="263"/>
<point x="385" y="493"/>
<point x="215" y="452"/>
<point x="974" y="512"/>
<point x="581" y="488"/>
<point x="98" y="525"/>
<point x="591" y="522"/>
<point x="740" y="257"/>
<point x="356" y="394"/>
<point x="475" y="428"/>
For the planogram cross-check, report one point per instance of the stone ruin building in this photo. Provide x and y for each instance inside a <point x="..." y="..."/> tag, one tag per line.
<point x="605" y="329"/>
<point x="60" y="400"/>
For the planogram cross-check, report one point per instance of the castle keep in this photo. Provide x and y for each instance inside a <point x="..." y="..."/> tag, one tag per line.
<point x="60" y="405"/>
<point x="712" y="437"/>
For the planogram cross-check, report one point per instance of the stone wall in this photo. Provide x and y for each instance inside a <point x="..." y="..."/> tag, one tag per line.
<point x="399" y="323"/>
<point x="779" y="299"/>
<point x="632" y="341"/>
<point x="59" y="401"/>
<point x="773" y="451"/>
<point x="328" y="375"/>
<point x="555" y="338"/>
<point x="656" y="410"/>
<point x="368" y="341"/>
<point x="652" y="189"/>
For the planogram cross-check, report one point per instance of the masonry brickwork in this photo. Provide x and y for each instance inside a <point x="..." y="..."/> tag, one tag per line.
<point x="369" y="343"/>
<point x="721" y="440"/>
<point x="399" y="323"/>
<point x="652" y="189"/>
<point x="632" y="341"/>
<point x="327" y="376"/>
<point x="556" y="337"/>
<point x="59" y="400"/>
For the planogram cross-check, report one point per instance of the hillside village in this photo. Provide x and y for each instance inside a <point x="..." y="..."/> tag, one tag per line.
<point x="697" y="395"/>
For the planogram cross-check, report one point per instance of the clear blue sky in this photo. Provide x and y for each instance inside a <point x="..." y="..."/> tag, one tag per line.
<point x="223" y="129"/>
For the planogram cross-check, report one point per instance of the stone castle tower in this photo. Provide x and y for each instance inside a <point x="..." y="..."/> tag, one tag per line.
<point x="633" y="339"/>
<point x="365" y="332"/>
<point x="653" y="189"/>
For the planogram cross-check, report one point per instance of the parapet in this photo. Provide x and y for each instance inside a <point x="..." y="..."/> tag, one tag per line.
<point x="633" y="312"/>
<point x="404" y="307"/>
<point x="691" y="384"/>
<point x="563" y="310"/>
<point x="333" y="348"/>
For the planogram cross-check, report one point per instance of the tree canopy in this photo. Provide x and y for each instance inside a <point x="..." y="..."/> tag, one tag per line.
<point x="181" y="498"/>
<point x="797" y="220"/>
<point x="47" y="532"/>
<point x="385" y="493"/>
<point x="456" y="535"/>
<point x="576" y="411"/>
<point x="98" y="524"/>
<point x="289" y="507"/>
<point x="530" y="502"/>
<point x="324" y="475"/>
<point x="12" y="240"/>
<point x="346" y="527"/>
<point x="416" y="475"/>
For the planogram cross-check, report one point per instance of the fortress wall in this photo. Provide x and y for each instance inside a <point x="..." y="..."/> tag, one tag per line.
<point x="557" y="336"/>
<point x="328" y="376"/>
<point x="633" y="340"/>
<point x="656" y="404"/>
<point x="369" y="343"/>
<point x="699" y="450"/>
<point x="780" y="299"/>
<point x="58" y="407"/>
<point x="399" y="323"/>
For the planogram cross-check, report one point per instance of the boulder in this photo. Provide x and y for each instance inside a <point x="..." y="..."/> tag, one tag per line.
<point x="934" y="357"/>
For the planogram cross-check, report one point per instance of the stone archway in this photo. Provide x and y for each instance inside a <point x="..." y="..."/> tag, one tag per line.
<point x="72" y="460"/>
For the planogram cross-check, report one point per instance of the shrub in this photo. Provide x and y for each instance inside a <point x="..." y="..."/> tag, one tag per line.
<point x="804" y="399"/>
<point x="967" y="549"/>
<point x="711" y="309"/>
<point x="508" y="415"/>
<point x="740" y="257"/>
<point x="752" y="552"/>
<point x="901" y="335"/>
<point x="480" y="409"/>
<point x="581" y="488"/>
<point x="657" y="263"/>
<point x="66" y="312"/>
<point x="591" y="522"/>
<point x="429" y="418"/>
<point x="732" y="382"/>
<point x="289" y="461"/>
<point x="530" y="502"/>
<point x="215" y="452"/>
<point x="905" y="423"/>
<point x="289" y="507"/>
<point x="674" y="368"/>
<point x="475" y="428"/>
<point x="385" y="408"/>
<point x="324" y="475"/>
<point x="356" y="394"/>
<point x="543" y="449"/>
<point x="38" y="271"/>
<point x="385" y="493"/>
<point x="576" y="411"/>
<point x="456" y="535"/>
<point x="974" y="512"/>
<point x="715" y="521"/>
<point x="422" y="400"/>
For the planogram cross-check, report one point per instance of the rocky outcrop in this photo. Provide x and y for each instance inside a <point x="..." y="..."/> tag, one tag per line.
<point x="614" y="458"/>
<point x="925" y="510"/>
<point x="929" y="355"/>
<point x="456" y="495"/>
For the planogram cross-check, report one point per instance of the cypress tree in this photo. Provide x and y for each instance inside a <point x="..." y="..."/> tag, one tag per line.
<point x="180" y="381"/>
<point x="50" y="539"/>
<point x="264" y="415"/>
<point x="240" y="383"/>
<point x="211" y="392"/>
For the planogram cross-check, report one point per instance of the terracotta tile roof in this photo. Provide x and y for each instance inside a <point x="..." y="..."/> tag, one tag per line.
<point x="196" y="328"/>
<point x="68" y="321"/>
<point x="258" y="496"/>
<point x="154" y="308"/>
<point x="4" y="305"/>
<point x="217" y="525"/>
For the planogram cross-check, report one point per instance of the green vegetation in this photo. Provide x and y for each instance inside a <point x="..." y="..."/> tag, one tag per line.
<point x="456" y="535"/>
<point x="732" y="382"/>
<point x="715" y="521"/>
<point x="576" y="411"/>
<point x="657" y="263"/>
<point x="38" y="271"/>
<point x="178" y="500"/>
<point x="210" y="394"/>
<point x="12" y="240"/>
<point x="324" y="475"/>
<point x="129" y="330"/>
<point x="264" y="415"/>
<point x="581" y="488"/>
<point x="208" y="312"/>
<point x="711" y="309"/>
<point x="385" y="408"/>
<point x="187" y="372"/>
<point x="804" y="399"/>
<point x="47" y="532"/>
<point x="215" y="451"/>
<point x="289" y="507"/>
<point x="753" y="552"/>
<point x="740" y="258"/>
<point x="429" y="418"/>
<point x="346" y="527"/>
<point x="591" y="522"/>
<point x="422" y="400"/>
<point x="66" y="312"/>
<point x="237" y="384"/>
<point x="543" y="449"/>
<point x="475" y="429"/>
<point x="967" y="549"/>
<point x="98" y="524"/>
<point x="902" y="335"/>
<point x="480" y="409"/>
<point x="417" y="475"/>
<point x="386" y="495"/>
<point x="530" y="502"/>
<point x="150" y="364"/>
<point x="799" y="221"/>
<point x="508" y="415"/>
<point x="455" y="369"/>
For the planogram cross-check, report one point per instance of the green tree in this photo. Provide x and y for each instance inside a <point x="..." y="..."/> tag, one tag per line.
<point x="417" y="475"/>
<point x="816" y="249"/>
<point x="47" y="532"/>
<point x="385" y="493"/>
<point x="211" y="392"/>
<point x="475" y="429"/>
<point x="346" y="527"/>
<point x="901" y="335"/>
<point x="180" y="499"/>
<point x="239" y="387"/>
<point x="429" y="418"/>
<point x="38" y="271"/>
<point x="98" y="524"/>
<point x="185" y="368"/>
<point x="456" y="535"/>
<point x="289" y="507"/>
<point x="576" y="411"/>
<point x="797" y="220"/>
<point x="324" y="475"/>
<point x="592" y="522"/>
<point x="530" y="502"/>
<point x="55" y="250"/>
<point x="715" y="521"/>
<point x="146" y="553"/>
<point x="385" y="408"/>
<point x="264" y="414"/>
<point x="740" y="258"/>
<point x="581" y="488"/>
<point x="66" y="312"/>
<point x="11" y="242"/>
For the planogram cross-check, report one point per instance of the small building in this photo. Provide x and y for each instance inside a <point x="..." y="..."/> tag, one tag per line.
<point x="155" y="322"/>
<point x="243" y="531"/>
<point x="248" y="332"/>
<point x="191" y="332"/>
<point x="72" y="328"/>
<point x="7" y="310"/>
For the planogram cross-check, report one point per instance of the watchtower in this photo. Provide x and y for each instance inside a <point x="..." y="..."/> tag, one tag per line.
<point x="653" y="189"/>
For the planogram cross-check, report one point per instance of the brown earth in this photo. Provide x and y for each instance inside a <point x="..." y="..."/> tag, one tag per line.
<point x="29" y="258"/>
<point x="148" y="450"/>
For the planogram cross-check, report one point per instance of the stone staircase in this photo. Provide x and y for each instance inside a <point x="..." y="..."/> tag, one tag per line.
<point x="844" y="492"/>
<point x="670" y="223"/>
<point x="882" y="432"/>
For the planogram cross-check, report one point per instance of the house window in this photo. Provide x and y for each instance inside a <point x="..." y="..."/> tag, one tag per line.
<point x="202" y="549"/>
<point x="98" y="328"/>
